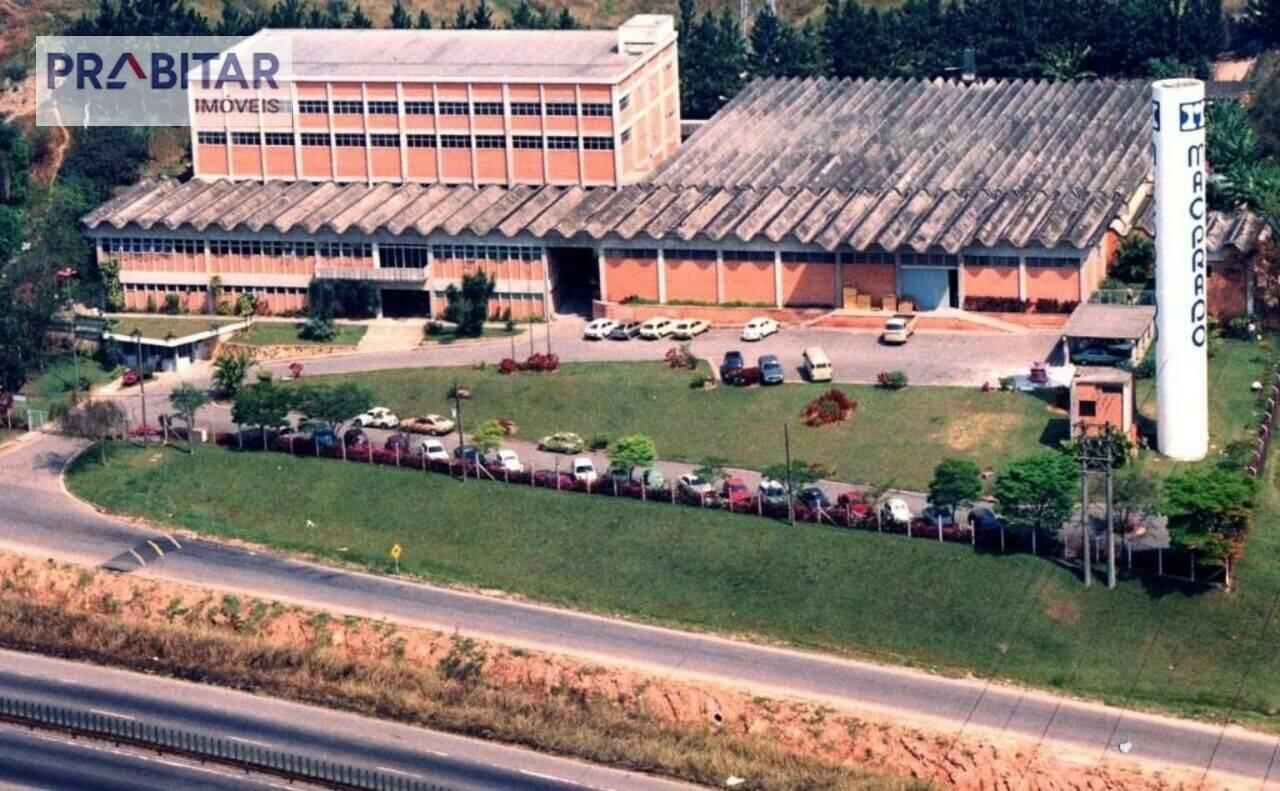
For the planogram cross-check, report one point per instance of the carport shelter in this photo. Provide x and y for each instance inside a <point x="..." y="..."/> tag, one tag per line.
<point x="1094" y="325"/>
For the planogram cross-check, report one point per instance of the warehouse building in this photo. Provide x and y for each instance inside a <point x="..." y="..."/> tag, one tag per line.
<point x="823" y="194"/>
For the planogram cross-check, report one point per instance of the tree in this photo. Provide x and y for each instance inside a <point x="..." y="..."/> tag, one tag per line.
<point x="359" y="20"/>
<point x="230" y="369"/>
<point x="1037" y="492"/>
<point x="265" y="405"/>
<point x="955" y="483"/>
<point x="1210" y="511"/>
<point x="468" y="307"/>
<point x="1262" y="18"/>
<point x="803" y="473"/>
<point x="462" y="20"/>
<point x="632" y="451"/>
<point x="1229" y="136"/>
<point x="778" y="49"/>
<point x="332" y="404"/>
<point x="424" y="21"/>
<point x="188" y="399"/>
<point x="96" y="421"/>
<point x="1136" y="260"/>
<point x="482" y="17"/>
<point x="488" y="437"/>
<point x="1134" y="495"/>
<point x="400" y="19"/>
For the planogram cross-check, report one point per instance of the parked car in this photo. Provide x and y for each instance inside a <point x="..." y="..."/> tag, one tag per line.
<point x="355" y="438"/>
<point x="469" y="453"/>
<point x="813" y="497"/>
<point x="771" y="370"/>
<point x="624" y="331"/>
<point x="759" y="328"/>
<point x="694" y="485"/>
<point x="320" y="437"/>
<point x="983" y="519"/>
<point x="941" y="514"/>
<point x="131" y="377"/>
<point x="378" y="417"/>
<point x="1100" y="355"/>
<point x="771" y="492"/>
<point x="562" y="442"/>
<point x="690" y="328"/>
<point x="583" y="470"/>
<point x="434" y="450"/>
<point x="895" y="509"/>
<point x="397" y="442"/>
<point x="428" y="424"/>
<point x="735" y="492"/>
<point x="898" y="329"/>
<point x="817" y="366"/>
<point x="508" y="461"/>
<point x="598" y="329"/>
<point x="732" y="362"/>
<point x="656" y="328"/>
<point x="854" y="503"/>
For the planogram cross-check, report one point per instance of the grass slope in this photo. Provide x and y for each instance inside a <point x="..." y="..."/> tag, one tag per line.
<point x="941" y="606"/>
<point x="271" y="333"/>
<point x="896" y="437"/>
<point x="161" y="327"/>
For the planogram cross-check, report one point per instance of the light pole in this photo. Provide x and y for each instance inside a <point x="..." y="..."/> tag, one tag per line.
<point x="65" y="276"/>
<point x="142" y="382"/>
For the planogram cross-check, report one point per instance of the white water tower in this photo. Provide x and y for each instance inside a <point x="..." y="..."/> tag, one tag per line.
<point x="1182" y="386"/>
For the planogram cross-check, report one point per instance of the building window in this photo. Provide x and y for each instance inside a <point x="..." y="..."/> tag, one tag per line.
<point x="313" y="106"/>
<point x="455" y="141"/>
<point x="420" y="141"/>
<point x="638" y="252"/>
<point x="806" y="257"/>
<point x="562" y="143"/>
<point x="345" y="249"/>
<point x="562" y="108"/>
<point x="246" y="139"/>
<point x="624" y="102"/>
<point x="453" y="108"/>
<point x="991" y="260"/>
<point x="384" y="141"/>
<point x="748" y="255"/>
<point x="1088" y="408"/>
<point x="315" y="139"/>
<point x="689" y="254"/>
<point x="928" y="259"/>
<point x="526" y="141"/>
<point x="526" y="108"/>
<point x="1052" y="261"/>
<point x="597" y="143"/>
<point x="402" y="256"/>
<point x="349" y="140"/>
<point x="626" y="136"/>
<point x="382" y="108"/>
<point x="491" y="141"/>
<point x="487" y="108"/>
<point x="279" y="138"/>
<point x="596" y="109"/>
<point x="211" y="138"/>
<point x="419" y="108"/>
<point x="881" y="259"/>
<point x="348" y="107"/>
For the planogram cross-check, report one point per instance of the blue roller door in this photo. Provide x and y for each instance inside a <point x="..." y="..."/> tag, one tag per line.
<point x="929" y="288"/>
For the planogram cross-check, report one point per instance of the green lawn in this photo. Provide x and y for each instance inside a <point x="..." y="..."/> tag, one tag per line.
<point x="273" y="333"/>
<point x="53" y="385"/>
<point x="161" y="327"/>
<point x="946" y="607"/>
<point x="893" y="437"/>
<point x="447" y="337"/>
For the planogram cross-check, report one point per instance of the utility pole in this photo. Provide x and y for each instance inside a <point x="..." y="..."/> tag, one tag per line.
<point x="142" y="382"/>
<point x="786" y="449"/>
<point x="1084" y="522"/>
<point x="457" y="411"/>
<point x="1111" y="533"/>
<point x="1096" y="457"/>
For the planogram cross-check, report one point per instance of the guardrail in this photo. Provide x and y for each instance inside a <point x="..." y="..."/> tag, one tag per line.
<point x="241" y="755"/>
<point x="377" y="274"/>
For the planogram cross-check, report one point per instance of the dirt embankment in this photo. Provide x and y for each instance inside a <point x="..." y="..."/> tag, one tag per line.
<point x="697" y="732"/>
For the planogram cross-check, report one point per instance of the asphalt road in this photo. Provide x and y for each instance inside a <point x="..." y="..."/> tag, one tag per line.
<point x="338" y="737"/>
<point x="36" y="518"/>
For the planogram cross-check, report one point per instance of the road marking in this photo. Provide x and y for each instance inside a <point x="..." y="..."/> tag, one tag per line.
<point x="156" y="547"/>
<point x="173" y="541"/>
<point x="398" y="772"/>
<point x="137" y="557"/>
<point x="106" y="713"/>
<point x="552" y="778"/>
<point x="437" y="752"/>
<point x="248" y="741"/>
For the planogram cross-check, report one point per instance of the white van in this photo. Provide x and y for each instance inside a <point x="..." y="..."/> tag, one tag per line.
<point x="817" y="366"/>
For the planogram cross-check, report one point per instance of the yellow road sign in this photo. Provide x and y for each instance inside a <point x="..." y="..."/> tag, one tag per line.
<point x="396" y="551"/>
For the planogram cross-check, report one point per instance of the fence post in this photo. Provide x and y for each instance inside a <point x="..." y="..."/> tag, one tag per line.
<point x="397" y="454"/>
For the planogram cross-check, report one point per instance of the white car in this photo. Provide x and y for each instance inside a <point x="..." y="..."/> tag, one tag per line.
<point x="378" y="417"/>
<point x="695" y="485"/>
<point x="895" y="510"/>
<point x="759" y="328"/>
<point x="434" y="450"/>
<point x="656" y="328"/>
<point x="599" y="329"/>
<point x="508" y="460"/>
<point x="583" y="470"/>
<point x="690" y="328"/>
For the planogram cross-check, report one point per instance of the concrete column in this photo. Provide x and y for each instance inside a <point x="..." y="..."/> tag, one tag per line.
<point x="364" y="121"/>
<point x="333" y="148"/>
<point x="615" y="122"/>
<point x="435" y="130"/>
<point x="471" y="132"/>
<point x="719" y="277"/>
<point x="542" y="130"/>
<point x="777" y="278"/>
<point x="377" y="260"/>
<point x="1080" y="272"/>
<point x="1022" y="278"/>
<point x="603" y="265"/>
<point x="662" y="277"/>
<point x="506" y="131"/>
<point x="838" y="301"/>
<point x="546" y="284"/>
<point x="577" y="122"/>
<point x="427" y="284"/>
<point x="296" y="131"/>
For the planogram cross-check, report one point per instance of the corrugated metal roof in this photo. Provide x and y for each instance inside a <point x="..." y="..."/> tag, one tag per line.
<point x="908" y="164"/>
<point x="1239" y="230"/>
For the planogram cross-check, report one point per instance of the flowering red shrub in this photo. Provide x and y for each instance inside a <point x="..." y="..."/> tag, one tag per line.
<point x="830" y="408"/>
<point x="743" y="377"/>
<point x="892" y="380"/>
<point x="508" y="366"/>
<point x="541" y="362"/>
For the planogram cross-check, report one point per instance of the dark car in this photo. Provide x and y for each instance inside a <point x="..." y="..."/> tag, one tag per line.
<point x="469" y="453"/>
<point x="625" y="331"/>
<point x="813" y="497"/>
<point x="1100" y="355"/>
<point x="983" y="519"/>
<point x="355" y="438"/>
<point x="732" y="362"/>
<point x="321" y="437"/>
<point x="934" y="516"/>
<point x="397" y="442"/>
<point x="131" y="377"/>
<point x="771" y="370"/>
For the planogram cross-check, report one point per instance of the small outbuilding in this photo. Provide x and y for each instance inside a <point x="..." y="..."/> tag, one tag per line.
<point x="1122" y="331"/>
<point x="1102" y="397"/>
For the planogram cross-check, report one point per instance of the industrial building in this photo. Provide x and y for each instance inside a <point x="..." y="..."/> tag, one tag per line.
<point x="801" y="193"/>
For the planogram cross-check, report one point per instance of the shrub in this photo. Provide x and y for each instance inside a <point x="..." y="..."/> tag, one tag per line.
<point x="433" y="329"/>
<point x="1055" y="306"/>
<point x="171" y="304"/>
<point x="508" y="366"/>
<point x="681" y="357"/>
<point x="699" y="381"/>
<point x="541" y="362"/>
<point x="996" y="304"/>
<point x="318" y="329"/>
<point x="892" y="380"/>
<point x="830" y="408"/>
<point x="1241" y="328"/>
<point x="598" y="442"/>
<point x="743" y="377"/>
<point x="223" y="308"/>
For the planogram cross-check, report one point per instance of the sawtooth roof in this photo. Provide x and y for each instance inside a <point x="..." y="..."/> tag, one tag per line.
<point x="894" y="164"/>
<point x="1238" y="230"/>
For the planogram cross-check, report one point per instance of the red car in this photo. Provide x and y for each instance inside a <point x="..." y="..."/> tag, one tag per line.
<point x="855" y="503"/>
<point x="131" y="377"/>
<point x="547" y="478"/>
<point x="735" y="492"/>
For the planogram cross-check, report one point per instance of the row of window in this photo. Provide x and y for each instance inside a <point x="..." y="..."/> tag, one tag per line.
<point x="357" y="140"/>
<point x="146" y="245"/>
<point x="253" y="247"/>
<point x="412" y="107"/>
<point x="188" y="288"/>
<point x="485" y="252"/>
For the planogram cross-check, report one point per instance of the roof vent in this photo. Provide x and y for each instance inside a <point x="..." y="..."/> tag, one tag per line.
<point x="643" y="31"/>
<point x="969" y="67"/>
